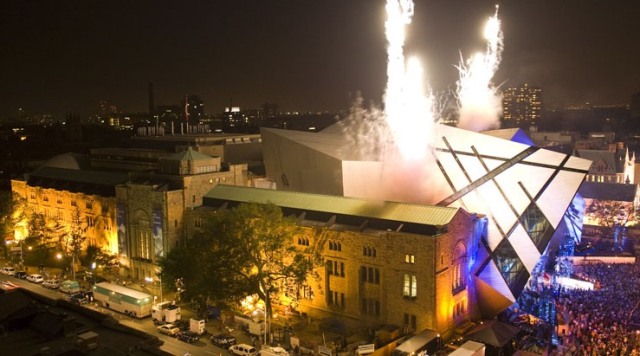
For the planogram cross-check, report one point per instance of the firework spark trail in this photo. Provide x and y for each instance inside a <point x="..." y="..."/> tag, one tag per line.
<point x="408" y="110"/>
<point x="479" y="103"/>
<point x="400" y="134"/>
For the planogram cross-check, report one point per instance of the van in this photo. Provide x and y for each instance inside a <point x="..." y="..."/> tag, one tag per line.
<point x="69" y="286"/>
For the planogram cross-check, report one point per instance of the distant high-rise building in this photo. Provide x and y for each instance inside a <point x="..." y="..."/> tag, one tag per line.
<point x="521" y="106"/>
<point x="193" y="108"/>
<point x="270" y="110"/>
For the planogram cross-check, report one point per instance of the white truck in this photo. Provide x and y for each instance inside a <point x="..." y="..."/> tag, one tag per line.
<point x="165" y="312"/>
<point x="197" y="326"/>
<point x="253" y="326"/>
<point x="256" y="328"/>
<point x="125" y="300"/>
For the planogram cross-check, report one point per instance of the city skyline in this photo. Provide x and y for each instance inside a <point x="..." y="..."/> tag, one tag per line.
<point x="304" y="56"/>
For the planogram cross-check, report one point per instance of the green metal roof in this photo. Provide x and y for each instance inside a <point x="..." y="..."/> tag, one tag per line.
<point x="403" y="212"/>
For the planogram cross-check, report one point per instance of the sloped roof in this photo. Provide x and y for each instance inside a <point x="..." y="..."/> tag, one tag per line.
<point x="326" y="142"/>
<point x="493" y="332"/>
<point x="73" y="180"/>
<point x="418" y="341"/>
<point x="80" y="176"/>
<point x="608" y="191"/>
<point x="188" y="155"/>
<point x="68" y="160"/>
<point x="514" y="134"/>
<point x="608" y="157"/>
<point x="403" y="212"/>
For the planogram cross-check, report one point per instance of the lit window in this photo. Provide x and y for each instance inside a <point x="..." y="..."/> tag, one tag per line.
<point x="410" y="289"/>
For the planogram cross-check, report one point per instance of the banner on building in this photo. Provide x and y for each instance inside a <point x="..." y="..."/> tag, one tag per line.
<point x="122" y="230"/>
<point x="157" y="232"/>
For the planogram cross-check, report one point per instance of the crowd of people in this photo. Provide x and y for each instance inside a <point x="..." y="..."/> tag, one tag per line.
<point x="606" y="320"/>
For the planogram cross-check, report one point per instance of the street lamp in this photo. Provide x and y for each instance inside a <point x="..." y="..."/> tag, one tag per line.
<point x="149" y="281"/>
<point x="93" y="271"/>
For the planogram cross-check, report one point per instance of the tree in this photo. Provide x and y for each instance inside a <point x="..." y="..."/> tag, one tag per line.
<point x="610" y="213"/>
<point x="247" y="250"/>
<point x="97" y="255"/>
<point x="12" y="213"/>
<point x="6" y="211"/>
<point x="74" y="239"/>
<point x="614" y="215"/>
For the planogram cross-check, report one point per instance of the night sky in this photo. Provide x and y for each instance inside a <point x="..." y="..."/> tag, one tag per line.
<point x="66" y="56"/>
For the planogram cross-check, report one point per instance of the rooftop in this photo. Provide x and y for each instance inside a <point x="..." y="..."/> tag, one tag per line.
<point x="384" y="210"/>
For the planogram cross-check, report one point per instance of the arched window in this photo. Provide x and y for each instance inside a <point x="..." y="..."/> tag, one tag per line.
<point x="459" y="264"/>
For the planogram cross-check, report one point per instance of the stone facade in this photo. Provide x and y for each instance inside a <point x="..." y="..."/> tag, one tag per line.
<point x="375" y="277"/>
<point x="372" y="276"/>
<point x="139" y="215"/>
<point x="60" y="207"/>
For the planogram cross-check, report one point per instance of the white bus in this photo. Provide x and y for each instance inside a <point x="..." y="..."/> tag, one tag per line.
<point x="125" y="300"/>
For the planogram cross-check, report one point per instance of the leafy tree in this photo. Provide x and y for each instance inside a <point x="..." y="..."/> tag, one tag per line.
<point x="247" y="250"/>
<point x="99" y="256"/>
<point x="39" y="232"/>
<point x="6" y="211"/>
<point x="12" y="212"/>
<point x="610" y="213"/>
<point x="74" y="240"/>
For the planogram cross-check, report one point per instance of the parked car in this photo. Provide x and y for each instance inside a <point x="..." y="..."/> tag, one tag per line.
<point x="273" y="351"/>
<point x="223" y="340"/>
<point x="35" y="278"/>
<point x="70" y="287"/>
<point x="81" y="297"/>
<point x="21" y="274"/>
<point x="168" y="329"/>
<point x="181" y="324"/>
<point x="51" y="284"/>
<point x="243" y="350"/>
<point x="9" y="271"/>
<point x="187" y="336"/>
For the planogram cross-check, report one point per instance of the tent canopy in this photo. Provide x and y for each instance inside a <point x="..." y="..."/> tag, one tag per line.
<point x="418" y="342"/>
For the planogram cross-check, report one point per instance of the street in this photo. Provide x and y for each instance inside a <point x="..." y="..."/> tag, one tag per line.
<point x="171" y="344"/>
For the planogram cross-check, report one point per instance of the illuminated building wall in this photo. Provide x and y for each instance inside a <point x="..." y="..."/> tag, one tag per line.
<point x="138" y="215"/>
<point x="384" y="263"/>
<point x="61" y="206"/>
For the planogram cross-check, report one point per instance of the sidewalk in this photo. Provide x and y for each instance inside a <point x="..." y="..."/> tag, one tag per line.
<point x="46" y="272"/>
